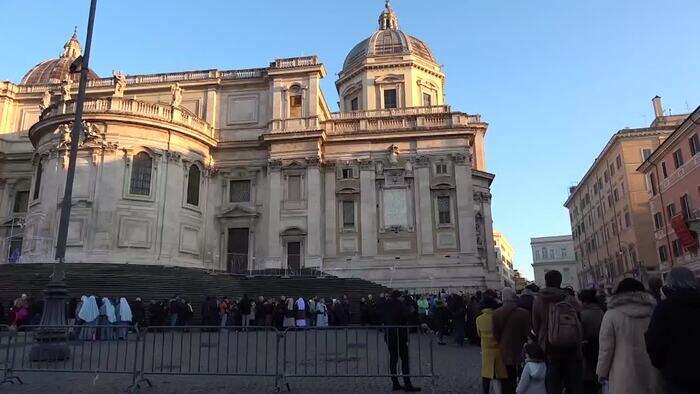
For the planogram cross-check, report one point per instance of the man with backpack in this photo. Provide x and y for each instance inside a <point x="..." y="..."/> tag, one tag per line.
<point x="557" y="327"/>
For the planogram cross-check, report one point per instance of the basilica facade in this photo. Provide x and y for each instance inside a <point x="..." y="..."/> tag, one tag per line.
<point x="248" y="170"/>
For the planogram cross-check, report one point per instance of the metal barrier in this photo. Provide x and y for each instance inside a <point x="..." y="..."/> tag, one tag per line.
<point x="312" y="352"/>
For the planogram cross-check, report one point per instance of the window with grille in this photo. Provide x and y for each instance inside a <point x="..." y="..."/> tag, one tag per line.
<point x="239" y="191"/>
<point x="441" y="168"/>
<point x="37" y="180"/>
<point x="348" y="214"/>
<point x="443" y="205"/>
<point x="141" y="168"/>
<point x="346" y="173"/>
<point x="671" y="210"/>
<point x="390" y="98"/>
<point x="677" y="248"/>
<point x="663" y="253"/>
<point x="294" y="188"/>
<point x="193" y="178"/>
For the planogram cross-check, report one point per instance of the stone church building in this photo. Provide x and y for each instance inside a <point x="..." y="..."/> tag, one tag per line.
<point x="249" y="170"/>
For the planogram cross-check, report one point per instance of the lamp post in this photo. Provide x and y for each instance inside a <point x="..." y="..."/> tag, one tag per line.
<point x="51" y="341"/>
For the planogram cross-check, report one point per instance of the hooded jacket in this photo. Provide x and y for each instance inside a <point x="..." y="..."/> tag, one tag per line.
<point x="672" y="340"/>
<point x="532" y="378"/>
<point x="622" y="357"/>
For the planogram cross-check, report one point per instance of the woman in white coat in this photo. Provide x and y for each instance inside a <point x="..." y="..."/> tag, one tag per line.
<point x="623" y="362"/>
<point x="108" y="317"/>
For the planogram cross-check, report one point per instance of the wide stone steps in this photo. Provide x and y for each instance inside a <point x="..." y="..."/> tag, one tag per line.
<point x="152" y="282"/>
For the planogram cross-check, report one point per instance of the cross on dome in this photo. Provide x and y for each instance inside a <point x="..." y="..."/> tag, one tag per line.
<point x="71" y="49"/>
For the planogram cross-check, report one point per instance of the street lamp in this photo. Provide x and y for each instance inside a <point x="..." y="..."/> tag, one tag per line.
<point x="51" y="340"/>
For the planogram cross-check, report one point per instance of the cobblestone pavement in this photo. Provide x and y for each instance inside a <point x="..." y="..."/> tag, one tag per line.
<point x="458" y="371"/>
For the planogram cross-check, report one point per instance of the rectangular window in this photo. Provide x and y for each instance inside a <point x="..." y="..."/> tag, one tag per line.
<point x="612" y="170"/>
<point x="686" y="207"/>
<point x="671" y="210"/>
<point x="677" y="248"/>
<point x="652" y="180"/>
<point x="616" y="195"/>
<point x="427" y="99"/>
<point x="354" y="104"/>
<point x="658" y="221"/>
<point x="239" y="191"/>
<point x="390" y="98"/>
<point x="294" y="188"/>
<point x="664" y="172"/>
<point x="627" y="220"/>
<point x="646" y="152"/>
<point x="443" y="205"/>
<point x="610" y="200"/>
<point x="663" y="253"/>
<point x="618" y="161"/>
<point x="21" y="201"/>
<point x="678" y="158"/>
<point x="295" y="106"/>
<point x="348" y="214"/>
<point x="694" y="144"/>
<point x="347" y="173"/>
<point x="441" y="168"/>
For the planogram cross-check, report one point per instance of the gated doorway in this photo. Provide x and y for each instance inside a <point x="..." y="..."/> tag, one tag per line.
<point x="237" y="250"/>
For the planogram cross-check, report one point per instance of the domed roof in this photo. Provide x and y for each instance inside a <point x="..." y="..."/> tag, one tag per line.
<point x="388" y="40"/>
<point x="55" y="70"/>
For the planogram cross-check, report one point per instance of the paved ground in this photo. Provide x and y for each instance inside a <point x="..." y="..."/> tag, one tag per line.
<point x="333" y="352"/>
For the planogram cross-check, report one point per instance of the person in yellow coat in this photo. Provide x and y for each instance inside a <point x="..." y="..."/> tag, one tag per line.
<point x="492" y="365"/>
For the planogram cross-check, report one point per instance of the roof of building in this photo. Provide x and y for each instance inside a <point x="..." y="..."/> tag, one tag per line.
<point x="552" y="238"/>
<point x="387" y="40"/>
<point x="56" y="70"/>
<point x="661" y="150"/>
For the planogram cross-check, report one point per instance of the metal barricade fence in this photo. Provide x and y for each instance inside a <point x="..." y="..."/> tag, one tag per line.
<point x="312" y="352"/>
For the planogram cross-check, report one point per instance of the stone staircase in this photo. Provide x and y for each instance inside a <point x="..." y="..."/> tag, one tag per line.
<point x="161" y="282"/>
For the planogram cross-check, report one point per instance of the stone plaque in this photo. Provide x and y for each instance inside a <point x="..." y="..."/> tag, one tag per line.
<point x="395" y="209"/>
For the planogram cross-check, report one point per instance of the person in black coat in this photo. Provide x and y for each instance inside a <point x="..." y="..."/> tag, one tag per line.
<point x="397" y="315"/>
<point x="138" y="310"/>
<point x="672" y="339"/>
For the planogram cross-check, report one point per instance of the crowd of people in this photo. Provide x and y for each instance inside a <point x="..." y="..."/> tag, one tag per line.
<point x="542" y="341"/>
<point x="637" y="340"/>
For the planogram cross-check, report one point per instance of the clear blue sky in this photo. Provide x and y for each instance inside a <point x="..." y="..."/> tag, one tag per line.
<point x="553" y="78"/>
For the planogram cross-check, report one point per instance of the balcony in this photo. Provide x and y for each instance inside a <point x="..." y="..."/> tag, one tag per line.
<point x="400" y="119"/>
<point x="124" y="106"/>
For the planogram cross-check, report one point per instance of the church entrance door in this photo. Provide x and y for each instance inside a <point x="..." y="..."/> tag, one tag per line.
<point x="237" y="251"/>
<point x="293" y="256"/>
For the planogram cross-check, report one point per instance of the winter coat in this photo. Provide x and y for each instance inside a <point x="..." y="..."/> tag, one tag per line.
<point x="492" y="365"/>
<point x="591" y="317"/>
<point x="673" y="341"/>
<point x="622" y="357"/>
<point x="510" y="328"/>
<point x="532" y="378"/>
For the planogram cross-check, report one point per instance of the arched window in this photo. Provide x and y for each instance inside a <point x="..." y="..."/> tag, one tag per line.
<point x="193" y="177"/>
<point x="295" y="102"/>
<point x="141" y="168"/>
<point x="37" y="180"/>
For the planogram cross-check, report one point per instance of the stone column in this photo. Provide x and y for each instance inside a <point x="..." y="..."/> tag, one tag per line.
<point x="314" y="254"/>
<point x="368" y="209"/>
<point x="424" y="215"/>
<point x="465" y="204"/>
<point x="275" y="193"/>
<point x="491" y="272"/>
<point x="330" y="211"/>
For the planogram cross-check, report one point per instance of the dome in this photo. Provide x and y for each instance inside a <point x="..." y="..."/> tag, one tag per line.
<point x="55" y="70"/>
<point x="388" y="40"/>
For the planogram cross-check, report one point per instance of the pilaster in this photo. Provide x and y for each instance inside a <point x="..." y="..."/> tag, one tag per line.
<point x="368" y="209"/>
<point x="465" y="204"/>
<point x="330" y="211"/>
<point x="424" y="214"/>
<point x="313" y="215"/>
<point x="275" y="193"/>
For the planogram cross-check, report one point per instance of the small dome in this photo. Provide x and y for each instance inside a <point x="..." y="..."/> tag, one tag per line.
<point x="388" y="40"/>
<point x="55" y="70"/>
